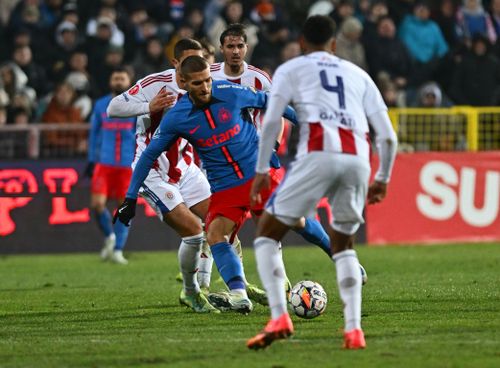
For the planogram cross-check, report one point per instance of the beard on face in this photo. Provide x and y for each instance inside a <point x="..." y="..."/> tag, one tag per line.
<point x="118" y="89"/>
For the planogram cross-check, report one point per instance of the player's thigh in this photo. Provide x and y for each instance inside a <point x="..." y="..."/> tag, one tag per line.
<point x="271" y="227"/>
<point x="119" y="181"/>
<point x="99" y="186"/>
<point x="348" y="196"/>
<point x="220" y="230"/>
<point x="163" y="197"/>
<point x="183" y="221"/>
<point x="301" y="189"/>
<point x="195" y="191"/>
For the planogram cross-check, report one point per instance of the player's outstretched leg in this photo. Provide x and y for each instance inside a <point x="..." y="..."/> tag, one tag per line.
<point x="272" y="274"/>
<point x="314" y="233"/>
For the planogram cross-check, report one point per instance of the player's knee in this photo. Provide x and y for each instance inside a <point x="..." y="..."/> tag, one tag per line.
<point x="98" y="206"/>
<point x="274" y="227"/>
<point x="214" y="236"/>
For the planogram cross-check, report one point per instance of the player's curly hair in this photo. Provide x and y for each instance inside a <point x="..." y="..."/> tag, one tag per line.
<point x="318" y="29"/>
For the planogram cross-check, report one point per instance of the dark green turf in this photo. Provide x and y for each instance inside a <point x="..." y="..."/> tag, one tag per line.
<point x="423" y="307"/>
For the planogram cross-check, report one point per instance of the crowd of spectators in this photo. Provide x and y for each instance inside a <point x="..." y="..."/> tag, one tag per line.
<point x="57" y="55"/>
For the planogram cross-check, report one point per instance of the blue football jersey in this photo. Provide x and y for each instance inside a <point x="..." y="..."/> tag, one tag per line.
<point x="111" y="140"/>
<point x="222" y="133"/>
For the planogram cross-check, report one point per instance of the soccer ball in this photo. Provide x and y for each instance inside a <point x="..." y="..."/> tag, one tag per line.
<point x="307" y="299"/>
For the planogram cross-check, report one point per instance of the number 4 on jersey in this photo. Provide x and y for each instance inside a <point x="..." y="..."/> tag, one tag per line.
<point x="338" y="89"/>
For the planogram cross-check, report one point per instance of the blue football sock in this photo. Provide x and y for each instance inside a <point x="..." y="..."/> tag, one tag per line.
<point x="314" y="233"/>
<point x="104" y="222"/>
<point x="121" y="231"/>
<point x="229" y="265"/>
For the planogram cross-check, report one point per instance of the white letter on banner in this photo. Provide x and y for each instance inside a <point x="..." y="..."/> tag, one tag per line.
<point x="435" y="189"/>
<point x="479" y="217"/>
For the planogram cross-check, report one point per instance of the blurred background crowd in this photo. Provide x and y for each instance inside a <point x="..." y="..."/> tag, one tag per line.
<point x="56" y="55"/>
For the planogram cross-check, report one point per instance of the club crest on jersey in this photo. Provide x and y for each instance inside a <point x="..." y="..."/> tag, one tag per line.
<point x="224" y="115"/>
<point x="133" y="91"/>
<point x="169" y="195"/>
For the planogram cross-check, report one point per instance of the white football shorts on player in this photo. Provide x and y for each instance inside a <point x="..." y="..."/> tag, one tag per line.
<point x="342" y="178"/>
<point x="163" y="197"/>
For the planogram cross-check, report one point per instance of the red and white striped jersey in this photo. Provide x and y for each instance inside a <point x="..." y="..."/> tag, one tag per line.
<point x="332" y="98"/>
<point x="251" y="77"/>
<point x="171" y="164"/>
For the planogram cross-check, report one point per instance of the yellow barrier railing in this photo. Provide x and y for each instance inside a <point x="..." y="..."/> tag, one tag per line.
<point x="458" y="128"/>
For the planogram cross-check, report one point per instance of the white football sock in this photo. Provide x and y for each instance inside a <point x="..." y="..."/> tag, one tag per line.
<point x="205" y="264"/>
<point x="189" y="254"/>
<point x="349" y="283"/>
<point x="237" y="248"/>
<point x="272" y="273"/>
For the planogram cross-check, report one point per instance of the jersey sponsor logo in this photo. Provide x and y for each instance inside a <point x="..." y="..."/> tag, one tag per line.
<point x="224" y="115"/>
<point x="219" y="138"/>
<point x="339" y="117"/>
<point x="133" y="91"/>
<point x="192" y="131"/>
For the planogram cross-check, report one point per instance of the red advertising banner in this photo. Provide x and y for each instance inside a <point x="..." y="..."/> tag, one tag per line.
<point x="439" y="197"/>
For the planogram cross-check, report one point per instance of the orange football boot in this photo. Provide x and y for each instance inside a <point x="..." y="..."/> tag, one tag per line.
<point x="279" y="328"/>
<point x="354" y="339"/>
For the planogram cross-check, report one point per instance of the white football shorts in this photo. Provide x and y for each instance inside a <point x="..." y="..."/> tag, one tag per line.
<point x="342" y="178"/>
<point x="163" y="197"/>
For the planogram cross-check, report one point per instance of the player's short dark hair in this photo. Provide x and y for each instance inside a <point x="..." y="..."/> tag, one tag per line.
<point x="318" y="29"/>
<point x="120" y="69"/>
<point x="185" y="44"/>
<point x="193" y="64"/>
<point x="235" y="30"/>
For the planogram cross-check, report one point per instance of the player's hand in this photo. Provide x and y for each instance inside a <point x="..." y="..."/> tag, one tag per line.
<point x="376" y="192"/>
<point x="261" y="181"/>
<point x="89" y="170"/>
<point x="126" y="211"/>
<point x="163" y="100"/>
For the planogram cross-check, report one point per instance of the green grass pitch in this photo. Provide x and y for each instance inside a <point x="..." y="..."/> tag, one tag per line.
<point x="423" y="307"/>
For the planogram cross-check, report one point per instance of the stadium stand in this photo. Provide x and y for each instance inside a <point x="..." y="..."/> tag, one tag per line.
<point x="76" y="43"/>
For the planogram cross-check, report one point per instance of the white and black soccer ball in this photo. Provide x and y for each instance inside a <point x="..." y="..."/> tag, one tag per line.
<point x="307" y="299"/>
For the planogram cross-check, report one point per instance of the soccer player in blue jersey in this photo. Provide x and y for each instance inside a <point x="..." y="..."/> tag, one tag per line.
<point x="110" y="154"/>
<point x="213" y="117"/>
